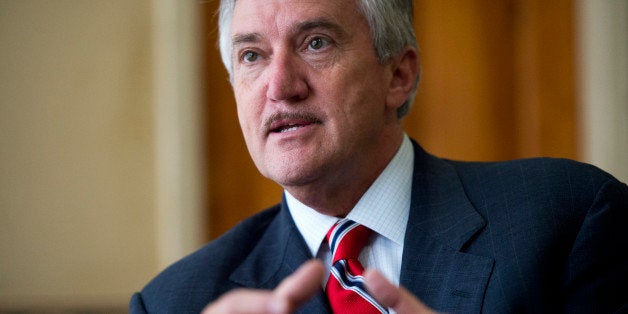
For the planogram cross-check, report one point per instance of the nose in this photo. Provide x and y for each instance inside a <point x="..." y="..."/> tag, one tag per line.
<point x="286" y="79"/>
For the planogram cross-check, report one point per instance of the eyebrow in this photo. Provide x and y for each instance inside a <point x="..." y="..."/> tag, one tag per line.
<point x="318" y="23"/>
<point x="246" y="38"/>
<point x="255" y="37"/>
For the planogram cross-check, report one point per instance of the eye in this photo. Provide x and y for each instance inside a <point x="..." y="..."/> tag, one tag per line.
<point x="318" y="43"/>
<point x="249" y="56"/>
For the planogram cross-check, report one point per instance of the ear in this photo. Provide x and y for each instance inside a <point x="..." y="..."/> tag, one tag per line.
<point x="405" y="69"/>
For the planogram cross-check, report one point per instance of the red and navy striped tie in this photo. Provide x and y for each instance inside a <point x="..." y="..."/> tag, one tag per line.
<point x="345" y="287"/>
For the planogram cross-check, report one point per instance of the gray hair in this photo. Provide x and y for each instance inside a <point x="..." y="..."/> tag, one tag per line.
<point x="390" y="23"/>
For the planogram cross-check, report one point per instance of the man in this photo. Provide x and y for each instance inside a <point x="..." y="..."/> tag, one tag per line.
<point x="321" y="88"/>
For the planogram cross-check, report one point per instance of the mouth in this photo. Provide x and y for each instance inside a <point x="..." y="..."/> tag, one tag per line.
<point x="287" y="129"/>
<point x="289" y="122"/>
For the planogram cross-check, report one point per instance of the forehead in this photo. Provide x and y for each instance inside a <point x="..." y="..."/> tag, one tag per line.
<point x="270" y="17"/>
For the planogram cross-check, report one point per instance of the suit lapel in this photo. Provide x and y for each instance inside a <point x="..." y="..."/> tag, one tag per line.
<point x="280" y="251"/>
<point x="441" y="222"/>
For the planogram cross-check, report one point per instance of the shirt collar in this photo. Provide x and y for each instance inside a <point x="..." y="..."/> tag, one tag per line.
<point x="384" y="208"/>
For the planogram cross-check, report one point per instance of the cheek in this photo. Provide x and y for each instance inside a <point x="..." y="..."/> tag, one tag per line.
<point x="357" y="96"/>
<point x="360" y="80"/>
<point x="245" y="102"/>
<point x="247" y="124"/>
<point x="245" y="116"/>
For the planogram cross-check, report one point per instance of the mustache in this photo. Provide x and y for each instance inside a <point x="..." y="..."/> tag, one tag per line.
<point x="299" y="115"/>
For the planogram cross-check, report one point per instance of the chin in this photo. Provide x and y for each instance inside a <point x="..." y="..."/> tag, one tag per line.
<point x="292" y="177"/>
<point x="294" y="169"/>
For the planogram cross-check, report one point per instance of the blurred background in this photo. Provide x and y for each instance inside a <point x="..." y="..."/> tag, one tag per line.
<point x="120" y="150"/>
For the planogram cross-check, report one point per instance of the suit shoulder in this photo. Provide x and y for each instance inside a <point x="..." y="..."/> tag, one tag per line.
<point x="559" y="185"/>
<point x="558" y="172"/>
<point x="205" y="272"/>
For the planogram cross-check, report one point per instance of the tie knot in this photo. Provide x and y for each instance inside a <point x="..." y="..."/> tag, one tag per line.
<point x="346" y="239"/>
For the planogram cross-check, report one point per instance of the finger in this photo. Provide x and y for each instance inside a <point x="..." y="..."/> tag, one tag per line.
<point x="391" y="296"/>
<point x="240" y="301"/>
<point x="298" y="288"/>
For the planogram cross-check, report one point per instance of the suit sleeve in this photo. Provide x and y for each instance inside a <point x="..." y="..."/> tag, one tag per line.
<point x="136" y="306"/>
<point x="597" y="272"/>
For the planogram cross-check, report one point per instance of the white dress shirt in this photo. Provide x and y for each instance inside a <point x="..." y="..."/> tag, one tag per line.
<point x="384" y="208"/>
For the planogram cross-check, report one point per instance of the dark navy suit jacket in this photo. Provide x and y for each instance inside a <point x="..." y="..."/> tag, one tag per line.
<point x="537" y="235"/>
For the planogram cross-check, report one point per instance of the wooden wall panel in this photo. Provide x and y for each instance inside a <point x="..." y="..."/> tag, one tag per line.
<point x="464" y="103"/>
<point x="498" y="79"/>
<point x="545" y="78"/>
<point x="498" y="83"/>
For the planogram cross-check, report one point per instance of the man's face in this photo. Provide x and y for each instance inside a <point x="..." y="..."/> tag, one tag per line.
<point x="311" y="95"/>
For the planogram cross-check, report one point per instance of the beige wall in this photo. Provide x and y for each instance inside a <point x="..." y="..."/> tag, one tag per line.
<point x="603" y="93"/>
<point x="84" y="99"/>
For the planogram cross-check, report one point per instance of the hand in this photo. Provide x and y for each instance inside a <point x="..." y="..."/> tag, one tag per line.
<point x="391" y="296"/>
<point x="291" y="293"/>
